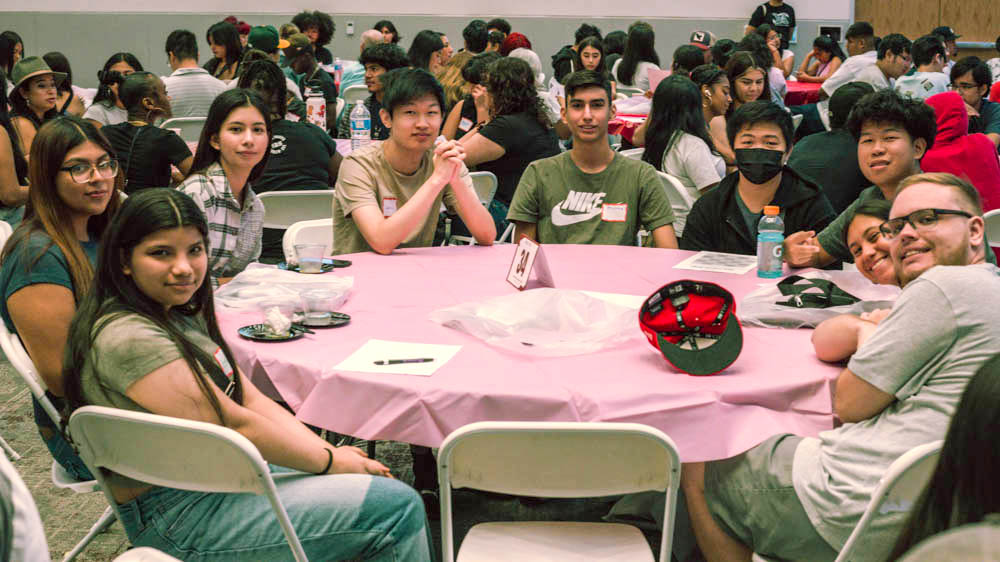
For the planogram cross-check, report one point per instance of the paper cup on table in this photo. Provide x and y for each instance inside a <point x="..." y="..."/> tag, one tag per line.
<point x="310" y="257"/>
<point x="320" y="304"/>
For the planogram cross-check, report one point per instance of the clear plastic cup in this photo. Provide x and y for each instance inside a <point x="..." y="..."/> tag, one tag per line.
<point x="310" y="257"/>
<point x="277" y="315"/>
<point x="319" y="307"/>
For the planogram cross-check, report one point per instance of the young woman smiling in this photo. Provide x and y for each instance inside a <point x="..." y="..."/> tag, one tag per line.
<point x="46" y="266"/>
<point x="150" y="320"/>
<point x="748" y="81"/>
<point x="232" y="153"/>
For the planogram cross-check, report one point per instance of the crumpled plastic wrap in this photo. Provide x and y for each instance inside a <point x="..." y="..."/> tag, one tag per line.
<point x="545" y="322"/>
<point x="260" y="282"/>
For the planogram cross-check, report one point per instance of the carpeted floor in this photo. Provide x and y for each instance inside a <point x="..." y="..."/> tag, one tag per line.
<point x="67" y="515"/>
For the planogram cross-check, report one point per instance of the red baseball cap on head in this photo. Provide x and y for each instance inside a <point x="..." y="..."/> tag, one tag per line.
<point x="694" y="325"/>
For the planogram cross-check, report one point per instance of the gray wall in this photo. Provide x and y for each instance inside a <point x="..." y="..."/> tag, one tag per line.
<point x="89" y="39"/>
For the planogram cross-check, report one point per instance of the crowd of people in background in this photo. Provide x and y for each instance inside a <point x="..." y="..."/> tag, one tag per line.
<point x="892" y="170"/>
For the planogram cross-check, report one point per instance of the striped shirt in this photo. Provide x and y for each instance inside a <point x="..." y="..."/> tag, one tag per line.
<point x="192" y="91"/>
<point x="234" y="233"/>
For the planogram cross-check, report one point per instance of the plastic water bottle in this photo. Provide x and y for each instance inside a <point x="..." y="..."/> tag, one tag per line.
<point x="315" y="105"/>
<point x="770" y="236"/>
<point x="361" y="126"/>
<point x="338" y="70"/>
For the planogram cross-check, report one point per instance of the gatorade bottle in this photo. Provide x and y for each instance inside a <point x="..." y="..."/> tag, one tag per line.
<point x="315" y="105"/>
<point x="361" y="126"/>
<point x="770" y="236"/>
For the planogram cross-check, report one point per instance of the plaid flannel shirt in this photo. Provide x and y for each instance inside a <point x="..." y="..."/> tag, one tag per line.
<point x="234" y="233"/>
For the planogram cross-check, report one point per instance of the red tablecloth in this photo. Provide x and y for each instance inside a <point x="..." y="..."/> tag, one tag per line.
<point x="801" y="93"/>
<point x="776" y="385"/>
<point x="625" y="124"/>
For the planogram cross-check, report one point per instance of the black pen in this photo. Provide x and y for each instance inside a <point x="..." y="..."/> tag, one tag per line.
<point x="399" y="361"/>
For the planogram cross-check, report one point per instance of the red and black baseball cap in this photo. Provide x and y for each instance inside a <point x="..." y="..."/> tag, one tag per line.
<point x="694" y="325"/>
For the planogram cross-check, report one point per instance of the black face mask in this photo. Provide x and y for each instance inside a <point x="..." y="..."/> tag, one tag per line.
<point x="758" y="165"/>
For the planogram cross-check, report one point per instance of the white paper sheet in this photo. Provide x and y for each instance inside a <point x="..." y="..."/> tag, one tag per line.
<point x="719" y="262"/>
<point x="363" y="360"/>
<point x="621" y="299"/>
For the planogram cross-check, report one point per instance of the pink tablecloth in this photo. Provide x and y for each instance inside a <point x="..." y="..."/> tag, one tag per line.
<point x="800" y="93"/>
<point x="625" y="125"/>
<point x="776" y="385"/>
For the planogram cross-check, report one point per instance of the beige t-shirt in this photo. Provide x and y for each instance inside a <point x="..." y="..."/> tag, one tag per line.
<point x="367" y="179"/>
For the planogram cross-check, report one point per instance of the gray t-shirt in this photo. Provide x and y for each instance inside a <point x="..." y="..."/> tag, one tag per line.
<point x="941" y="330"/>
<point x="106" y="115"/>
<point x="570" y="206"/>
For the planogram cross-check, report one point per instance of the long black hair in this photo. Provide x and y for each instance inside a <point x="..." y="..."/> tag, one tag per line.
<point x="20" y="163"/>
<point x="59" y="63"/>
<point x="425" y="44"/>
<point x="225" y="34"/>
<point x="511" y="85"/>
<point x="9" y="40"/>
<point x="824" y="43"/>
<point x="114" y="295"/>
<point x="676" y="109"/>
<point x="221" y="107"/>
<point x="963" y="487"/>
<point x="392" y="29"/>
<point x="108" y="77"/>
<point x="640" y="47"/>
<point x="265" y="78"/>
<point x="594" y="43"/>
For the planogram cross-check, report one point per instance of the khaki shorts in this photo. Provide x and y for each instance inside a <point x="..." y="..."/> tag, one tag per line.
<point x="752" y="498"/>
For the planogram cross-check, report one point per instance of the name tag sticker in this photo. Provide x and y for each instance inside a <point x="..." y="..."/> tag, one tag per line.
<point x="220" y="358"/>
<point x="465" y="124"/>
<point x="388" y="206"/>
<point x="614" y="212"/>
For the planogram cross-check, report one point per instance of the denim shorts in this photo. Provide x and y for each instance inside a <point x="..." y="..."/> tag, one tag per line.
<point x="336" y="517"/>
<point x="752" y="498"/>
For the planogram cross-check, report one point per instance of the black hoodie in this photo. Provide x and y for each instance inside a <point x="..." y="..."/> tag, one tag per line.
<point x="564" y="62"/>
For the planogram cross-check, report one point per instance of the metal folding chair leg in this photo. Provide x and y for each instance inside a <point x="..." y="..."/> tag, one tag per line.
<point x="9" y="450"/>
<point x="102" y="524"/>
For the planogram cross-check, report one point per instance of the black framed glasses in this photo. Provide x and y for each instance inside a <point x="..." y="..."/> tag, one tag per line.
<point x="959" y="86"/>
<point x="924" y="219"/>
<point x="84" y="171"/>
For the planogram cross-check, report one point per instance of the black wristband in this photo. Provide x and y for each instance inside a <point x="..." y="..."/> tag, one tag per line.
<point x="329" y="462"/>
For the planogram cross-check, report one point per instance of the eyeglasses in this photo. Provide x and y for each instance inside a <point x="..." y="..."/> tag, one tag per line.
<point x="924" y="219"/>
<point x="963" y="86"/>
<point x="83" y="172"/>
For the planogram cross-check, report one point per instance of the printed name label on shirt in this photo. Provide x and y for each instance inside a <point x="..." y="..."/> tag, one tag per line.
<point x="465" y="124"/>
<point x="614" y="212"/>
<point x="220" y="358"/>
<point x="388" y="206"/>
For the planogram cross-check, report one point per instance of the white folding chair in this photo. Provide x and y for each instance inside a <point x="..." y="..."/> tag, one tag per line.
<point x="992" y="219"/>
<point x="563" y="460"/>
<point x="18" y="357"/>
<point x="146" y="447"/>
<point x="635" y="153"/>
<point x="339" y="108"/>
<point x="319" y="231"/>
<point x="144" y="554"/>
<point x="897" y="491"/>
<point x="188" y="128"/>
<point x="354" y="94"/>
<point x="630" y="91"/>
<point x="282" y="209"/>
<point x="485" y="184"/>
<point x="680" y="200"/>
<point x="975" y="542"/>
<point x="5" y="232"/>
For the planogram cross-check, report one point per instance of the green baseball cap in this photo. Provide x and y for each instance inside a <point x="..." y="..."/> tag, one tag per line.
<point x="265" y="38"/>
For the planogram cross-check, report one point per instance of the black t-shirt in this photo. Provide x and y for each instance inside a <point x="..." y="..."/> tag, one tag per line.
<point x="145" y="153"/>
<point x="781" y="18"/>
<point x="524" y="140"/>
<point x="817" y="156"/>
<point x="299" y="160"/>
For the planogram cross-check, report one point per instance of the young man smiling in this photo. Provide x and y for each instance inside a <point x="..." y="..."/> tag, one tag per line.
<point x="893" y="133"/>
<point x="376" y="60"/>
<point x="761" y="136"/>
<point x="591" y="194"/>
<point x="800" y="498"/>
<point x="893" y="61"/>
<point x="388" y="194"/>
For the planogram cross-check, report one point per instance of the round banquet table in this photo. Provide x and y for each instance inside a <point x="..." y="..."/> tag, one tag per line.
<point x="776" y="385"/>
<point x="801" y="93"/>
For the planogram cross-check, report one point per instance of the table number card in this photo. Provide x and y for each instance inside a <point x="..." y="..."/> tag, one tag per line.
<point x="529" y="266"/>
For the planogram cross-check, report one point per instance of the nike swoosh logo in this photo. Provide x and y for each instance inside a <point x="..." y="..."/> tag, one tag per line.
<point x="561" y="219"/>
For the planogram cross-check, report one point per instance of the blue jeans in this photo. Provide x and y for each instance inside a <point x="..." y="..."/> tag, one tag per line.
<point x="61" y="450"/>
<point x="336" y="517"/>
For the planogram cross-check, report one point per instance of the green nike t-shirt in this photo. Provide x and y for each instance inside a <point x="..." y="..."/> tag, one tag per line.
<point x="570" y="206"/>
